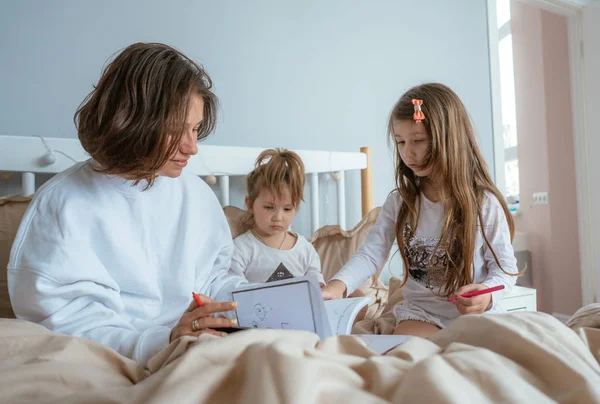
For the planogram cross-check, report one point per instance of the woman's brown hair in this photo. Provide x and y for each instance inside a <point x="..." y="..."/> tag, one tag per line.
<point x="459" y="174"/>
<point x="133" y="120"/>
<point x="276" y="170"/>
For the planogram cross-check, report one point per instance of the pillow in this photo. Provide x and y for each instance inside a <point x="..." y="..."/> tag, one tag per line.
<point x="335" y="246"/>
<point x="236" y="218"/>
<point x="12" y="209"/>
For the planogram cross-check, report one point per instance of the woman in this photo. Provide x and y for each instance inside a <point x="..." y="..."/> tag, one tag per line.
<point x="112" y="248"/>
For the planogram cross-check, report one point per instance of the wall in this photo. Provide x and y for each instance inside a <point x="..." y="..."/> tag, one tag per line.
<point x="546" y="154"/>
<point x="534" y="220"/>
<point x="561" y="156"/>
<point x="298" y="74"/>
<point x="591" y="51"/>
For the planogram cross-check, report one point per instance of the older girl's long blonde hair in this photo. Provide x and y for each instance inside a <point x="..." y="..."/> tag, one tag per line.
<point x="459" y="174"/>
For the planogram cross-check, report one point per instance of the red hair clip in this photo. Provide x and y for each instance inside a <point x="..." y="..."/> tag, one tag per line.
<point x="418" y="116"/>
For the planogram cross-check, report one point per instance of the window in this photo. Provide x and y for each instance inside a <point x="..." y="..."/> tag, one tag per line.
<point x="507" y="95"/>
<point x="503" y="12"/>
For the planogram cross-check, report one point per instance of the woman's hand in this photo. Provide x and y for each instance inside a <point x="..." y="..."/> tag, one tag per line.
<point x="205" y="322"/>
<point x="472" y="305"/>
<point x="334" y="290"/>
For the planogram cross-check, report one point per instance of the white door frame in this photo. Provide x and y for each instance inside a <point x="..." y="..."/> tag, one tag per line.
<point x="572" y="11"/>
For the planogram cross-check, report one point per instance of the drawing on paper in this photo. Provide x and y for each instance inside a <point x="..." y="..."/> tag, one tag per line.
<point x="260" y="311"/>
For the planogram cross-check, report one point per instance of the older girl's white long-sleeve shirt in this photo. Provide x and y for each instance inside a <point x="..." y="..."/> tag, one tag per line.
<point x="426" y="264"/>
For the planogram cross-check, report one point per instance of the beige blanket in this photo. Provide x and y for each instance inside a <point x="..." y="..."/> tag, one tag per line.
<point x="525" y="357"/>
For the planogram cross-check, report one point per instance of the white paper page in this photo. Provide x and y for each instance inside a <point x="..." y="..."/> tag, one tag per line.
<point x="287" y="304"/>
<point x="342" y="312"/>
<point x="382" y="343"/>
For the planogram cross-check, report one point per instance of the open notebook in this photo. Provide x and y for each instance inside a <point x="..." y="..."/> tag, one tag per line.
<point x="295" y="304"/>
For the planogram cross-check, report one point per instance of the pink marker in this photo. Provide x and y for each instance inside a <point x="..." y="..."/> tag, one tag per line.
<point x="478" y="292"/>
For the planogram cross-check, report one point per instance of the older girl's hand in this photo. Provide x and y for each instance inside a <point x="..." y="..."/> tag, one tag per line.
<point x="198" y="320"/>
<point x="335" y="289"/>
<point x="472" y="305"/>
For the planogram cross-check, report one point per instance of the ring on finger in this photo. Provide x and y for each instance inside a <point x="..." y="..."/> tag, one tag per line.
<point x="195" y="325"/>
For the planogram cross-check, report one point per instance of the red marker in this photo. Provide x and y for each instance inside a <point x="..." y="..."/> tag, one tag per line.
<point x="478" y="292"/>
<point x="197" y="299"/>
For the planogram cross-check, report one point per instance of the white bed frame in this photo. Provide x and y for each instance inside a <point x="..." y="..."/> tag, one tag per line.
<point x="36" y="155"/>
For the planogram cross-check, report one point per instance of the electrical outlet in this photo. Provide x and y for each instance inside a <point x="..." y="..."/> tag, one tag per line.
<point x="540" y="198"/>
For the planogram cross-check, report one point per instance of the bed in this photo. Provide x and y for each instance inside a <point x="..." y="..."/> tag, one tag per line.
<point x="517" y="357"/>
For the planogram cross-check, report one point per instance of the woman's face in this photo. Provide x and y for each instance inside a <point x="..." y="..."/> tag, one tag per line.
<point x="189" y="142"/>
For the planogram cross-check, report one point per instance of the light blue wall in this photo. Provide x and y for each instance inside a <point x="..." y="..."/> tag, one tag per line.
<point x="308" y="74"/>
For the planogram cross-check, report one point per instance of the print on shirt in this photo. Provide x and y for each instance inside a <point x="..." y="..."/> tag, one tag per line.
<point x="280" y="273"/>
<point x="424" y="259"/>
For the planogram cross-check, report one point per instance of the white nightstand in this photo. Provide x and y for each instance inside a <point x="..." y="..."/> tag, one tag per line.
<point x="520" y="299"/>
